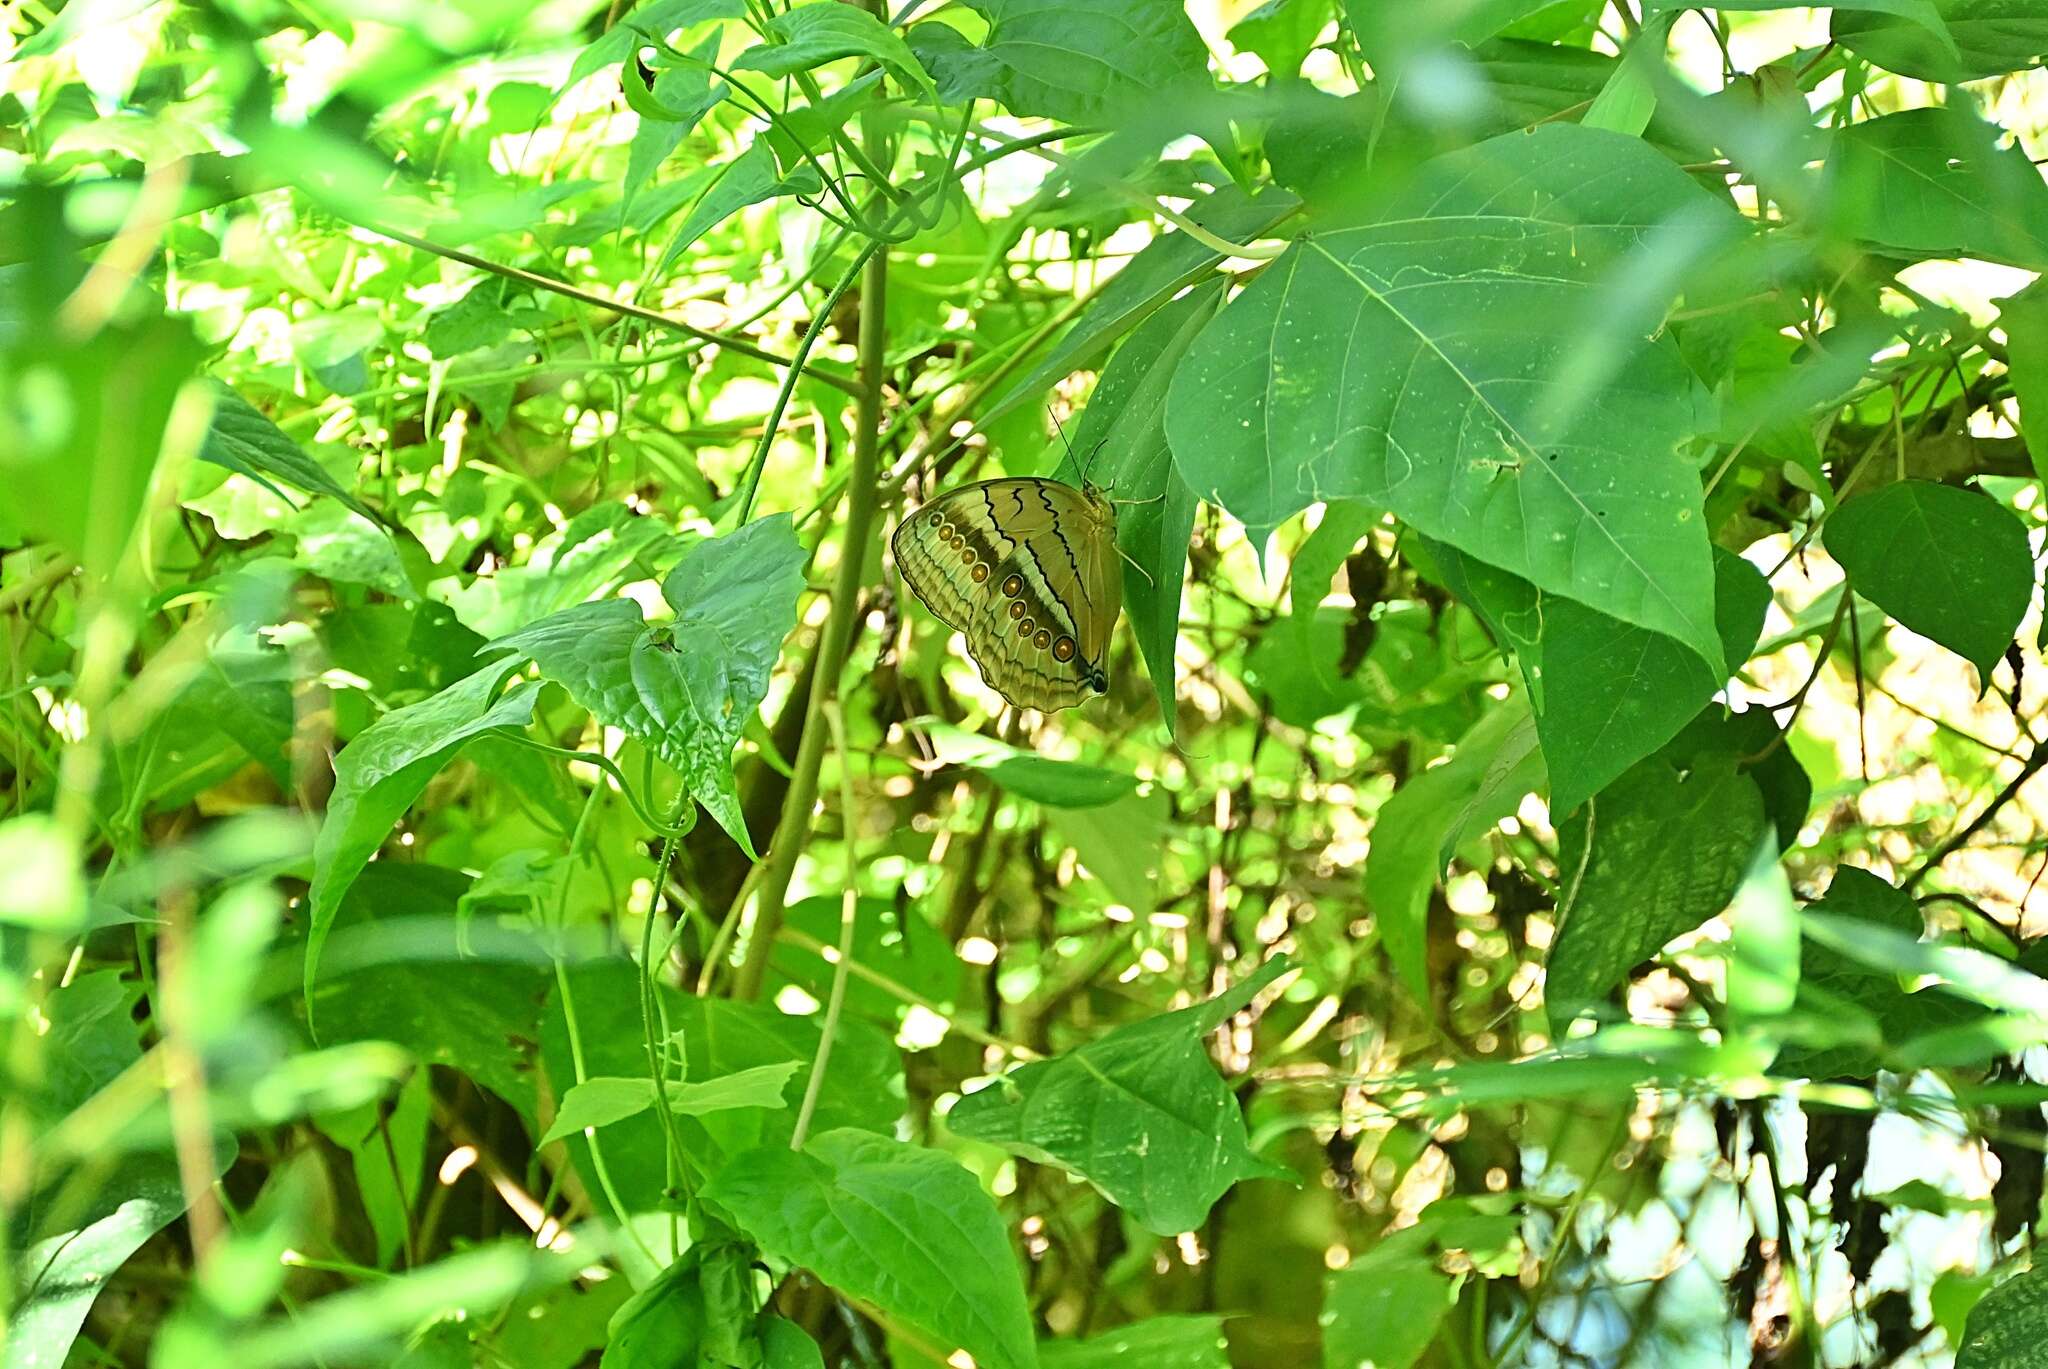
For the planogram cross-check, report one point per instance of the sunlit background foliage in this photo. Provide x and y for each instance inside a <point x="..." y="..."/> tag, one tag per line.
<point x="435" y="436"/>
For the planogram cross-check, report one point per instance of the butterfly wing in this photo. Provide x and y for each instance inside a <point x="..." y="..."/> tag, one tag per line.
<point x="1025" y="570"/>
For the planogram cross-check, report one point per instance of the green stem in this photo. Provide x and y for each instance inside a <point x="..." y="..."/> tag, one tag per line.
<point x="610" y="767"/>
<point x="540" y="282"/>
<point x="849" y="904"/>
<point x="597" y="1164"/>
<point x="794" y="825"/>
<point x="649" y="991"/>
<point x="819" y="320"/>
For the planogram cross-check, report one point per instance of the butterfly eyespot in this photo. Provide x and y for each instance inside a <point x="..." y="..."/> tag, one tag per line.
<point x="967" y="550"/>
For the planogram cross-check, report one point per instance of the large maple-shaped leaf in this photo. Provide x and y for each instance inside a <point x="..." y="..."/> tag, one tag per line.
<point x="1141" y="1114"/>
<point x="1487" y="362"/>
<point x="1086" y="61"/>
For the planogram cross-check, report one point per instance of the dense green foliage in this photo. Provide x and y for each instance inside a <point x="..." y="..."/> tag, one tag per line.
<point x="494" y="869"/>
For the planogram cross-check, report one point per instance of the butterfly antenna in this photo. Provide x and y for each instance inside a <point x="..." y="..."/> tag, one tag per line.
<point x="1094" y="452"/>
<point x="1138" y="568"/>
<point x="1059" y="428"/>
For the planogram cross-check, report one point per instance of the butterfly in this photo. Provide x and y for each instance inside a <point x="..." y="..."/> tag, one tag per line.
<point x="1027" y="570"/>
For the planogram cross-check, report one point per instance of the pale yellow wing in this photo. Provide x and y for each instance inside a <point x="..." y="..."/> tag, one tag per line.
<point x="1025" y="569"/>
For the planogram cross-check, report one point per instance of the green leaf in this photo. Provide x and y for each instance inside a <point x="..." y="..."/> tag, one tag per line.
<point x="1120" y="843"/>
<point x="397" y="969"/>
<point x="685" y="689"/>
<point x="64" y="1254"/>
<point x="58" y="1275"/>
<point x="1313" y="568"/>
<point x="660" y="18"/>
<point x="1282" y="33"/>
<point x="1168" y="1342"/>
<point x="593" y="552"/>
<point x="1839" y="989"/>
<point x="1080" y="61"/>
<point x="1126" y="422"/>
<point x="228" y="947"/>
<point x="367" y="1324"/>
<point x="785" y="1345"/>
<point x="2008" y="1325"/>
<point x="749" y="178"/>
<point x="75" y="21"/>
<point x="1167" y="265"/>
<point x="1062" y="784"/>
<point x="1763" y="940"/>
<point x="716" y="1039"/>
<point x="1385" y="1307"/>
<point x="98" y="407"/>
<point x="2024" y="317"/>
<point x="1935" y="183"/>
<point x="1950" y="564"/>
<point x="1599" y="1068"/>
<point x="1352" y="368"/>
<point x="1670" y="843"/>
<point x="759" y="1087"/>
<point x="245" y="441"/>
<point x="696" y="1312"/>
<point x="1629" y="98"/>
<point x="479" y="319"/>
<point x="1605" y="693"/>
<point x="897" y="1225"/>
<point x="332" y="346"/>
<point x="811" y="35"/>
<point x="598" y="1103"/>
<point x="687" y="94"/>
<point x="1411" y="827"/>
<point x="380" y="773"/>
<point x="1042" y="779"/>
<point x="1982" y="38"/>
<point x="1140" y="1113"/>
<point x="373" y="1134"/>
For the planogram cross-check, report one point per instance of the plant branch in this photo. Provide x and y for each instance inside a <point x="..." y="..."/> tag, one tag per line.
<point x="862" y="490"/>
<point x="2037" y="758"/>
<point x="654" y="316"/>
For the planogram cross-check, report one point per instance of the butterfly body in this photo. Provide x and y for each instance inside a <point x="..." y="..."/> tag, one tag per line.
<point x="1026" y="570"/>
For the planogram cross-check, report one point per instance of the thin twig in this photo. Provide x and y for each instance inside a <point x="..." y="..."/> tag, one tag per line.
<point x="2035" y="760"/>
<point x="1798" y="701"/>
<point x="789" y="936"/>
<point x="654" y="316"/>
<point x="41" y="578"/>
